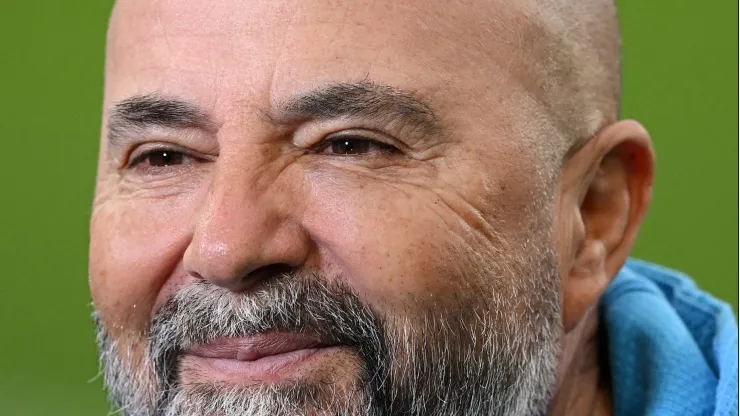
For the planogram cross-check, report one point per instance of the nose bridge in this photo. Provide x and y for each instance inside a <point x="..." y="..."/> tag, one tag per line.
<point x="239" y="201"/>
<point x="244" y="223"/>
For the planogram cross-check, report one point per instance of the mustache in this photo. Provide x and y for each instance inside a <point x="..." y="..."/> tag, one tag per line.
<point x="306" y="303"/>
<point x="471" y="357"/>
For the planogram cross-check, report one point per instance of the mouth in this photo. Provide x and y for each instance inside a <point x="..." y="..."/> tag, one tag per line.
<point x="257" y="359"/>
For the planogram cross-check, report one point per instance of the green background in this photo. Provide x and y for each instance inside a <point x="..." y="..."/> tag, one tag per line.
<point x="680" y="80"/>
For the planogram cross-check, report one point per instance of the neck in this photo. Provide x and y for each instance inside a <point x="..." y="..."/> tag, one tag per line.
<point x="583" y="384"/>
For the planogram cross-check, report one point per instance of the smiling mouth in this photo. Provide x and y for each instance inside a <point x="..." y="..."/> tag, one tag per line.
<point x="256" y="359"/>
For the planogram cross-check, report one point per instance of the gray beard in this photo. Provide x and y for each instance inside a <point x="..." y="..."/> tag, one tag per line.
<point x="492" y="357"/>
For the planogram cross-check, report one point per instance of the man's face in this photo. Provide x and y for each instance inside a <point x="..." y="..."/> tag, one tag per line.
<point x="320" y="208"/>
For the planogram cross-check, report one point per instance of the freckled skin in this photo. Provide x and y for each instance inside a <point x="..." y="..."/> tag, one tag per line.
<point x="337" y="215"/>
<point x="395" y="227"/>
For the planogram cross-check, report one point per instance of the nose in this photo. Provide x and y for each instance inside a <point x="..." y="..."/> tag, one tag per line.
<point x="246" y="229"/>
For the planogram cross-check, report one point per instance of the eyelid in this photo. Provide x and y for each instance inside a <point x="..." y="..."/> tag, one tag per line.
<point x="138" y="153"/>
<point x="361" y="134"/>
<point x="329" y="141"/>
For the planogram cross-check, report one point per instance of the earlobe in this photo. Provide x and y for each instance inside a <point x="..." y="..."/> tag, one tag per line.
<point x="606" y="188"/>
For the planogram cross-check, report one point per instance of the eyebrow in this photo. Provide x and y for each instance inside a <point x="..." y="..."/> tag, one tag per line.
<point x="140" y="112"/>
<point x="365" y="100"/>
<point x="361" y="100"/>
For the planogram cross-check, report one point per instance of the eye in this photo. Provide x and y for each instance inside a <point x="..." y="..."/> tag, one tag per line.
<point x="354" y="145"/>
<point x="160" y="158"/>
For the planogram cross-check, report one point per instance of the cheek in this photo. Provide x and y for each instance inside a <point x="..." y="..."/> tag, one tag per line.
<point x="397" y="245"/>
<point x="135" y="248"/>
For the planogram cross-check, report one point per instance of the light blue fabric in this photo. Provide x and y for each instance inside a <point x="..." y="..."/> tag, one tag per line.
<point x="673" y="349"/>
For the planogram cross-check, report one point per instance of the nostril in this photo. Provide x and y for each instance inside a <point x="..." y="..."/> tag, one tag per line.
<point x="269" y="271"/>
<point x="245" y="280"/>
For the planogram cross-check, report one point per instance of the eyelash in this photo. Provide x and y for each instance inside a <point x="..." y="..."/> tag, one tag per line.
<point x="366" y="144"/>
<point x="381" y="147"/>
<point x="163" y="150"/>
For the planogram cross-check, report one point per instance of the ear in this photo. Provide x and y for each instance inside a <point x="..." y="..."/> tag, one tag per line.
<point x="603" y="195"/>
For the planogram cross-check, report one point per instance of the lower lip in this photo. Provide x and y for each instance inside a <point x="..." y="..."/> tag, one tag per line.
<point x="267" y="369"/>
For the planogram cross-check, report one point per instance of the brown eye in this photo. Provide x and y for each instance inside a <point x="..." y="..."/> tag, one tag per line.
<point x="350" y="146"/>
<point x="355" y="146"/>
<point x="162" y="158"/>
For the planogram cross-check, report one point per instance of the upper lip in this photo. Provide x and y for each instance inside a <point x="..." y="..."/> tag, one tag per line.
<point x="254" y="347"/>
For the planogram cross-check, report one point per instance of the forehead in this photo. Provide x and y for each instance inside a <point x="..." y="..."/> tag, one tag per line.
<point x="219" y="51"/>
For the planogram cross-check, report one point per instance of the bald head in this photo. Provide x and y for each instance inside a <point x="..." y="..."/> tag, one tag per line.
<point x="576" y="64"/>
